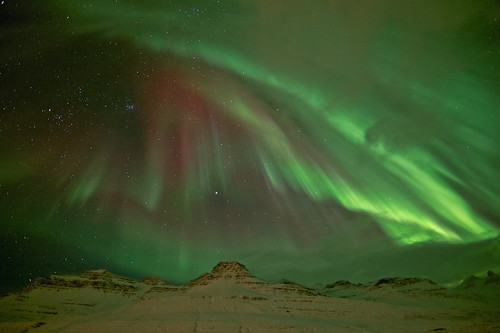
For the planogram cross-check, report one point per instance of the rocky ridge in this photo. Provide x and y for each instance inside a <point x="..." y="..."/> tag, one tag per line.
<point x="238" y="273"/>
<point x="491" y="279"/>
<point x="235" y="272"/>
<point x="383" y="288"/>
<point x="96" y="279"/>
<point x="229" y="298"/>
<point x="231" y="270"/>
<point x="101" y="280"/>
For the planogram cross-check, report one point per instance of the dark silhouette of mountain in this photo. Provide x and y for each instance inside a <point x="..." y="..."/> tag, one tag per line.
<point x="472" y="281"/>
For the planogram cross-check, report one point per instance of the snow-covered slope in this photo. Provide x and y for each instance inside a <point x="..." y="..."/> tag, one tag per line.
<point x="231" y="299"/>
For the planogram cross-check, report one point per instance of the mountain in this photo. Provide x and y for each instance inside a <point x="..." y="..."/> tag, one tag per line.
<point x="232" y="270"/>
<point x="491" y="280"/>
<point x="384" y="289"/>
<point x="97" y="279"/>
<point x="231" y="299"/>
<point x="225" y="274"/>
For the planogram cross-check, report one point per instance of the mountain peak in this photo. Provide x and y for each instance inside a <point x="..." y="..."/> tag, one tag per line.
<point x="225" y="270"/>
<point x="475" y="282"/>
<point x="229" y="267"/>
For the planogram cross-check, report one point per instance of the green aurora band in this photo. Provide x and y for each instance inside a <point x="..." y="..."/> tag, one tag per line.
<point x="422" y="204"/>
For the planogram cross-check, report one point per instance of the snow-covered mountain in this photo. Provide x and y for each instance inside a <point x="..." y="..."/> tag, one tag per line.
<point x="231" y="271"/>
<point x="491" y="280"/>
<point x="231" y="299"/>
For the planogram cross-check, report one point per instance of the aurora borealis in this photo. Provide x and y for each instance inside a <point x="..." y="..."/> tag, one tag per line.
<point x="319" y="141"/>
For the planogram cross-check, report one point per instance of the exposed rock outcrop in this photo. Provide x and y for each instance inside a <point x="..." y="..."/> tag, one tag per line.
<point x="227" y="270"/>
<point x="96" y="279"/>
<point x="397" y="282"/>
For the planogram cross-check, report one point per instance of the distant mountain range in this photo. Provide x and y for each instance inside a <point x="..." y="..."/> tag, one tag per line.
<point x="231" y="299"/>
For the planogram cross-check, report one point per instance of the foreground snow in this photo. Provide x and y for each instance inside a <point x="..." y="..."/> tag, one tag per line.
<point x="230" y="299"/>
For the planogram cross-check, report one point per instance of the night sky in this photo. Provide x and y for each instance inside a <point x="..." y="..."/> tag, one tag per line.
<point x="310" y="140"/>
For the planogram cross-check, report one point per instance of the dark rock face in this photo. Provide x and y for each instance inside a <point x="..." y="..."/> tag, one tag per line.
<point x="156" y="285"/>
<point x="229" y="270"/>
<point x="392" y="283"/>
<point x="342" y="284"/>
<point x="294" y="288"/>
<point x="154" y="280"/>
<point x="96" y="279"/>
<point x="386" y="287"/>
<point x="56" y="282"/>
<point x="397" y="282"/>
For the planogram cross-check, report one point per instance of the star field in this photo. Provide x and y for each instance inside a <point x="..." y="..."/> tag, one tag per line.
<point x="326" y="141"/>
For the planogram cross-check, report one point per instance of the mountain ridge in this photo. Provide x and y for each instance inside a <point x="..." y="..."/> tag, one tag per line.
<point x="226" y="270"/>
<point x="238" y="273"/>
<point x="231" y="299"/>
